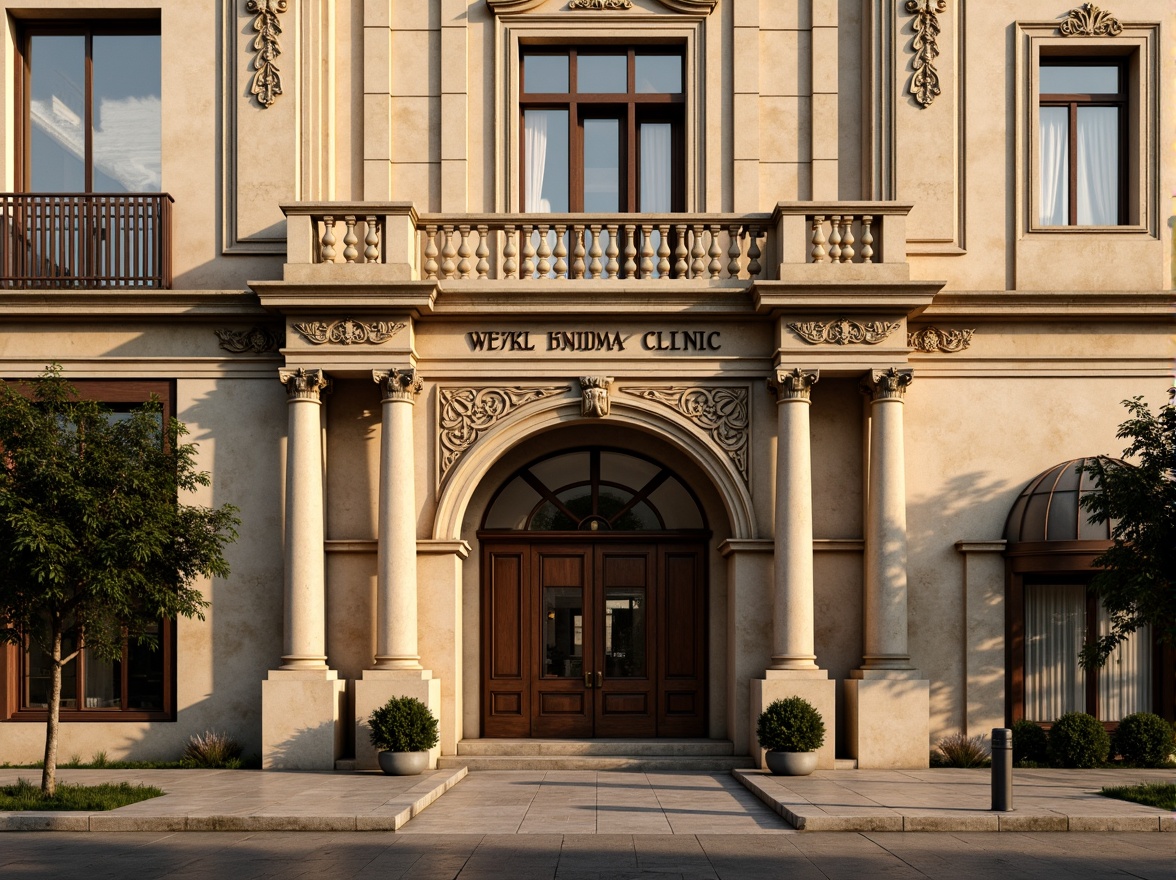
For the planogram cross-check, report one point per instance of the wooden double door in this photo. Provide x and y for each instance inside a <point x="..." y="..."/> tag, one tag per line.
<point x="593" y="638"/>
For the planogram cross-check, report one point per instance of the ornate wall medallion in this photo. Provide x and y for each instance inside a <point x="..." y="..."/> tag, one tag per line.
<point x="349" y="331"/>
<point x="843" y="331"/>
<point x="925" y="82"/>
<point x="267" y="80"/>
<point x="600" y="4"/>
<point x="595" y="400"/>
<point x="1088" y="20"/>
<point x="720" y="411"/>
<point x="934" y="339"/>
<point x="256" y="340"/>
<point x="465" y="414"/>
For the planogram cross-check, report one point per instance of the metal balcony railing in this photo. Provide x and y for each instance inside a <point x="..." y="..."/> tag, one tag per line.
<point x="85" y="240"/>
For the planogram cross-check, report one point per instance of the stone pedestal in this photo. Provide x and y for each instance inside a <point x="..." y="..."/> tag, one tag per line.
<point x="887" y="720"/>
<point x="301" y="719"/>
<point x="816" y="687"/>
<point x="374" y="689"/>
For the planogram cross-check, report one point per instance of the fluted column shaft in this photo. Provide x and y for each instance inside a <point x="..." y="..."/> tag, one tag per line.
<point x="792" y="599"/>
<point x="304" y="624"/>
<point x="396" y="588"/>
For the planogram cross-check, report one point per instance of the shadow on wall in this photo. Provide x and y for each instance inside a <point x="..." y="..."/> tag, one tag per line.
<point x="304" y="749"/>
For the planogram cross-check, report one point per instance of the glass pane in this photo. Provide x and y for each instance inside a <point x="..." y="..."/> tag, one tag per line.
<point x="660" y="74"/>
<point x="39" y="668"/>
<point x="602" y="165"/>
<point x="616" y="467"/>
<point x="563" y="632"/>
<point x="512" y="506"/>
<point x="145" y="673"/>
<point x="546" y="171"/>
<point x="1055" y="166"/>
<point x="1098" y="166"/>
<point x="1055" y="627"/>
<point x="562" y="470"/>
<point x="656" y="165"/>
<point x="624" y="632"/>
<point x="545" y="73"/>
<point x="1079" y="79"/>
<point x="57" y="114"/>
<point x="550" y="518"/>
<point x="602" y="73"/>
<point x="676" y="505"/>
<point x="1124" y="683"/>
<point x="103" y="683"/>
<point x="127" y="100"/>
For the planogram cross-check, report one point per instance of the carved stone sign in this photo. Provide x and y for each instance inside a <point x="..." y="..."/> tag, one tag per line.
<point x="593" y="340"/>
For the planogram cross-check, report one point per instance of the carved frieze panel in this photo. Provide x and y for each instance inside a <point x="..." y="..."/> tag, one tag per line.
<point x="925" y="81"/>
<point x="267" y="77"/>
<point x="465" y="414"/>
<point x="1088" y="20"/>
<point x="935" y="339"/>
<point x="600" y="4"/>
<point x="843" y="331"/>
<point x="349" y="331"/>
<point x="721" y="411"/>
<point x="690" y="7"/>
<point x="255" y="340"/>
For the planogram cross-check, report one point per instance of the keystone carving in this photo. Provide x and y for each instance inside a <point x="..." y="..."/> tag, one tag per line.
<point x="794" y="384"/>
<point x="398" y="384"/>
<point x="1088" y="20"/>
<point x="267" y="78"/>
<point x="720" y="411"/>
<point x="843" y="332"/>
<point x="889" y="384"/>
<point x="349" y="331"/>
<point x="934" y="339"/>
<point x="600" y="4"/>
<point x="257" y="340"/>
<point x="304" y="384"/>
<point x="925" y="82"/>
<point x="595" y="401"/>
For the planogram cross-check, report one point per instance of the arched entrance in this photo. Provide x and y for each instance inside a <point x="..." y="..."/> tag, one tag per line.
<point x="594" y="596"/>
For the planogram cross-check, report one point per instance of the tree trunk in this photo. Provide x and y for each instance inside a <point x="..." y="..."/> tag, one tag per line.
<point x="49" y="773"/>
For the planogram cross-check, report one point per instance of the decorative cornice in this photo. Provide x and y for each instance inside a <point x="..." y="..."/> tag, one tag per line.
<point x="600" y="4"/>
<point x="398" y="384"/>
<point x="925" y="82"/>
<point x="349" y="331"/>
<point x="267" y="80"/>
<point x="304" y="384"/>
<point x="257" y="340"/>
<point x="888" y="384"/>
<point x="935" y="339"/>
<point x="794" y="384"/>
<point x="843" y="331"/>
<point x="1088" y="20"/>
<point x="595" y="399"/>
<point x="720" y="411"/>
<point x="465" y="414"/>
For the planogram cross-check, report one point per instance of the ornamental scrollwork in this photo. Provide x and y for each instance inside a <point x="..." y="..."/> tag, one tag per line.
<point x="1088" y="20"/>
<point x="600" y="4"/>
<point x="843" y="331"/>
<point x="720" y="411"/>
<point x="595" y="396"/>
<point x="349" y="331"/>
<point x="465" y="414"/>
<point x="256" y="340"/>
<point x="935" y="339"/>
<point x="925" y="82"/>
<point x="267" y="77"/>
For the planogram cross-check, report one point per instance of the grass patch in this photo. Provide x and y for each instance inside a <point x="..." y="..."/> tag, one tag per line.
<point x="26" y="796"/>
<point x="1151" y="794"/>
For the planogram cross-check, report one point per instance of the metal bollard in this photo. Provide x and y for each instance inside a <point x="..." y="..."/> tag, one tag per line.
<point x="1002" y="769"/>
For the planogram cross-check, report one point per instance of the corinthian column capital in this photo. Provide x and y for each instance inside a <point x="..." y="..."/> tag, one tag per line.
<point x="794" y="384"/>
<point x="398" y="384"/>
<point x="304" y="384"/>
<point x="889" y="384"/>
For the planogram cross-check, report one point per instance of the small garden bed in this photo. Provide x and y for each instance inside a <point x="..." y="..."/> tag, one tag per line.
<point x="90" y="798"/>
<point x="1151" y="794"/>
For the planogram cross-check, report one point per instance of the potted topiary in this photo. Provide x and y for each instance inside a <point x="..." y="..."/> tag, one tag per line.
<point x="791" y="730"/>
<point x="403" y="730"/>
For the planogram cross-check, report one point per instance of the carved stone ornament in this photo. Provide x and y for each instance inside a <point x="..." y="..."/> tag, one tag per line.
<point x="889" y="384"/>
<point x="257" y="340"/>
<point x="1088" y="20"/>
<point x="690" y="7"/>
<point x="465" y="414"/>
<point x="794" y="384"/>
<point x="720" y="411"/>
<point x="600" y="4"/>
<point x="934" y="339"/>
<point x="595" y="401"/>
<point x="843" y="331"/>
<point x="925" y="82"/>
<point x="304" y="384"/>
<point x="267" y="78"/>
<point x="398" y="384"/>
<point x="349" y="331"/>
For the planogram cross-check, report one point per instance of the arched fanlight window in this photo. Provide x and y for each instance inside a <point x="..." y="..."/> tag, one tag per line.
<point x="597" y="490"/>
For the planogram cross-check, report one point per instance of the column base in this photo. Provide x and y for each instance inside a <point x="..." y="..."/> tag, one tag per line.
<point x="887" y="719"/>
<point x="378" y="686"/>
<point x="816" y="687"/>
<point x="301" y="719"/>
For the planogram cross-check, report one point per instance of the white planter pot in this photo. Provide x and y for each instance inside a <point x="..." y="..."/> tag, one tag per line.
<point x="403" y="763"/>
<point x="791" y="763"/>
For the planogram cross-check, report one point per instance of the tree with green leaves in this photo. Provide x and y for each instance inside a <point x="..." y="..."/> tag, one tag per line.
<point x="95" y="546"/>
<point x="1136" y="580"/>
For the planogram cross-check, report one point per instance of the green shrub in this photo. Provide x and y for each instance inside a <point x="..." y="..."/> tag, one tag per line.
<point x="1144" y="740"/>
<point x="1030" y="744"/>
<point x="790" y="725"/>
<point x="959" y="750"/>
<point x="212" y="750"/>
<point x="1078" y="740"/>
<point x="403" y="724"/>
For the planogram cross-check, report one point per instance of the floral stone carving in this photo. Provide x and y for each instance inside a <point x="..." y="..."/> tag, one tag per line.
<point x="1088" y="20"/>
<point x="925" y="82"/>
<point x="934" y="339"/>
<point x="257" y="340"/>
<point x="843" y="331"/>
<point x="349" y="331"/>
<point x="600" y="4"/>
<point x="720" y="411"/>
<point x="267" y="79"/>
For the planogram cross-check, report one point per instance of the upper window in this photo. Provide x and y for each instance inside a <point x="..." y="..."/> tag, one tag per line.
<point x="1083" y="142"/>
<point x="92" y="99"/>
<point x="602" y="129"/>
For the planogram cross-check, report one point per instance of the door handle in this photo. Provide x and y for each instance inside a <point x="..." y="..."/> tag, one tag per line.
<point x="588" y="679"/>
<point x="599" y="680"/>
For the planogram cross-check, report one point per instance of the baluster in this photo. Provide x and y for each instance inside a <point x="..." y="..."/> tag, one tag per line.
<point x="733" y="252"/>
<point x="835" y="239"/>
<point x="867" y="239"/>
<point x="715" y="252"/>
<point x="697" y="267"/>
<point x="561" y="251"/>
<point x="509" y="252"/>
<point x="681" y="268"/>
<point x="483" y="252"/>
<point x="612" y="251"/>
<point x="630" y="250"/>
<point x="350" y="240"/>
<point x="430" y="252"/>
<point x="663" y="251"/>
<point x="327" y="243"/>
<point x="463" y="251"/>
<point x="753" y="253"/>
<point x="646" y="251"/>
<point x="371" y="253"/>
<point x="528" y="272"/>
<point x="595" y="252"/>
<point x="578" y="252"/>
<point x="818" y="251"/>
<point x="544" y="252"/>
<point x="448" y="252"/>
<point x="847" y="239"/>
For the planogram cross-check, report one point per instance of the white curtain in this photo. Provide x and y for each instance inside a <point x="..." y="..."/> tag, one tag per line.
<point x="535" y="133"/>
<point x="656" y="159"/>
<point x="1124" y="683"/>
<point x="1055" y="166"/>
<point x="1098" y="166"/>
<point x="1055" y="624"/>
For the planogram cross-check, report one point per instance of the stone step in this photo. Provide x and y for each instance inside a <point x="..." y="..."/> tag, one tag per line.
<point x="596" y="762"/>
<point x="666" y="748"/>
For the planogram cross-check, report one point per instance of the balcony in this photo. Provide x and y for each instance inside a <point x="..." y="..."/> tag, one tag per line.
<point x="85" y="240"/>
